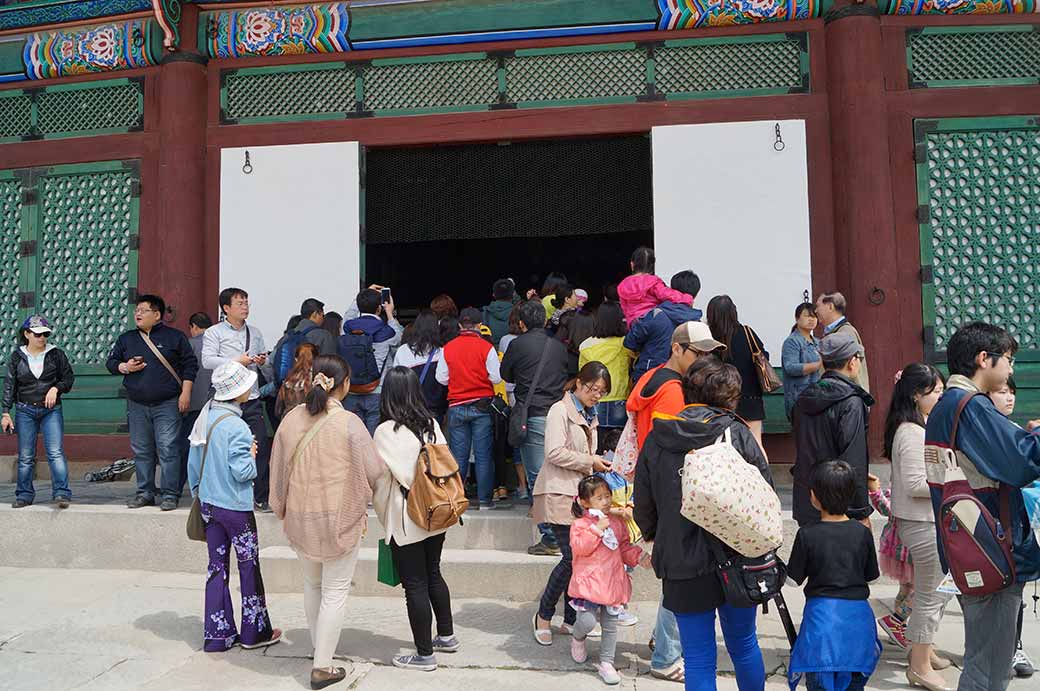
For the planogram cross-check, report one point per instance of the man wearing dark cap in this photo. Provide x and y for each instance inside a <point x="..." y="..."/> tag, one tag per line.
<point x="469" y="368"/>
<point x="830" y="423"/>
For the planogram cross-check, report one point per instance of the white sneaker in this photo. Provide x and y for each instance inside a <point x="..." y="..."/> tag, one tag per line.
<point x="608" y="674"/>
<point x="626" y="618"/>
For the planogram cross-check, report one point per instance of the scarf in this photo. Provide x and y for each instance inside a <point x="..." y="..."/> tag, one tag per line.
<point x="200" y="429"/>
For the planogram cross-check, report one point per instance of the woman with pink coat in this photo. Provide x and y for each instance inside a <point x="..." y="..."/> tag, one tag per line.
<point x="599" y="586"/>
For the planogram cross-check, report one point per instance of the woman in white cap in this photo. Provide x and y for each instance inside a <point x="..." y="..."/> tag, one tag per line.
<point x="38" y="374"/>
<point x="323" y="466"/>
<point x="221" y="469"/>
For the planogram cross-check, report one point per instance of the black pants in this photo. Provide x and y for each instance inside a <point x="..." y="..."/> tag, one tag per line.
<point x="419" y="566"/>
<point x="253" y="414"/>
<point x="559" y="580"/>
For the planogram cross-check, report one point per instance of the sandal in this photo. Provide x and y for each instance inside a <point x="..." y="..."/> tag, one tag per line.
<point x="675" y="672"/>
<point x="276" y="635"/>
<point x="541" y="636"/>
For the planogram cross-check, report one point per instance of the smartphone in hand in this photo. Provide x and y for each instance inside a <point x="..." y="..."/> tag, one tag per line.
<point x="384" y="295"/>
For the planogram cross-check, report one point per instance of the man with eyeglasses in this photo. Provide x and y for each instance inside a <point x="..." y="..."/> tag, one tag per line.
<point x="159" y="369"/>
<point x="660" y="391"/>
<point x="997" y="458"/>
<point x="232" y="339"/>
<point x="830" y="424"/>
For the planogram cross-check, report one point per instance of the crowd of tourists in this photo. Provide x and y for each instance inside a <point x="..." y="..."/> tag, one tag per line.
<point x="591" y="418"/>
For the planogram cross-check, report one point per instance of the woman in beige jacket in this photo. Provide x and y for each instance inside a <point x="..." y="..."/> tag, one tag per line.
<point x="323" y="466"/>
<point x="918" y="389"/>
<point x="570" y="455"/>
<point x="417" y="552"/>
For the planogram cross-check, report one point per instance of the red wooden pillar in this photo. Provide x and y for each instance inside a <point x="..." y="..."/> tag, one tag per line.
<point x="178" y="238"/>
<point x="863" y="214"/>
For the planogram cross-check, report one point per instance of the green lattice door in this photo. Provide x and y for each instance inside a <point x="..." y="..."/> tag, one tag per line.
<point x="978" y="183"/>
<point x="69" y="251"/>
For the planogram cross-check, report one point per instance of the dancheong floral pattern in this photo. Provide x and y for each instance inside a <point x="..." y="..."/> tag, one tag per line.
<point x="279" y="31"/>
<point x="691" y="14"/>
<point x="103" y="48"/>
<point x="916" y="7"/>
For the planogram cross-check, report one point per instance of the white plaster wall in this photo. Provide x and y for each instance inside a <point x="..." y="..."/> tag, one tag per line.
<point x="736" y="211"/>
<point x="289" y="230"/>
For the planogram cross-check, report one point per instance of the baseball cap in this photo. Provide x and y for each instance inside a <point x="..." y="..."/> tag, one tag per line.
<point x="470" y="315"/>
<point x="698" y="335"/>
<point x="37" y="324"/>
<point x="839" y="347"/>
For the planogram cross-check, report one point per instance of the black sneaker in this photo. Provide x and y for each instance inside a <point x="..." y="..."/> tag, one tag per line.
<point x="20" y="504"/>
<point x="262" y="507"/>
<point x="62" y="502"/>
<point x="1022" y="665"/>
<point x="168" y="504"/>
<point x="139" y="501"/>
<point x="541" y="549"/>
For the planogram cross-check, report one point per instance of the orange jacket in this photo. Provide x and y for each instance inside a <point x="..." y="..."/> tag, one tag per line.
<point x="657" y="391"/>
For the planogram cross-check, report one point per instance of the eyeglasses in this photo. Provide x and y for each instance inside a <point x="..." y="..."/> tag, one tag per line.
<point x="997" y="356"/>
<point x="593" y="390"/>
<point x="40" y="335"/>
<point x="144" y="310"/>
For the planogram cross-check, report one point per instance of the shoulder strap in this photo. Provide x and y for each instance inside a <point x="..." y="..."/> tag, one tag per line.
<point x="537" y="373"/>
<point x="306" y="439"/>
<point x="426" y="368"/>
<point x="957" y="419"/>
<point x="209" y="435"/>
<point x="163" y="360"/>
<point x="247" y="338"/>
<point x="752" y="344"/>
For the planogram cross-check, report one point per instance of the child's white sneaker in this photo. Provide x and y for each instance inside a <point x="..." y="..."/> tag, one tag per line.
<point x="608" y="674"/>
<point x="579" y="653"/>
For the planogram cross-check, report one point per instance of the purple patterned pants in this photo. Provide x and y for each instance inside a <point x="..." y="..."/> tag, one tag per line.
<point x="225" y="530"/>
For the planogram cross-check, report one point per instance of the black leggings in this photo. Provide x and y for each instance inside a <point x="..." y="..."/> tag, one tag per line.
<point x="559" y="580"/>
<point x="419" y="565"/>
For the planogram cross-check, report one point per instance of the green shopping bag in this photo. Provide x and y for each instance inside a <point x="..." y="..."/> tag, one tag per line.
<point x="386" y="566"/>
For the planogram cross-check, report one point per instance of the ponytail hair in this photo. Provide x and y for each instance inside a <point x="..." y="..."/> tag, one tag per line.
<point x="586" y="488"/>
<point x="326" y="368"/>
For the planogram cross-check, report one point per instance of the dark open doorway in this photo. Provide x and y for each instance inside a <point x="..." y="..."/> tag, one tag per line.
<point x="452" y="219"/>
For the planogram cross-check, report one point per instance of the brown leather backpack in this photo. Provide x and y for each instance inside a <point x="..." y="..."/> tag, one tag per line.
<point x="437" y="498"/>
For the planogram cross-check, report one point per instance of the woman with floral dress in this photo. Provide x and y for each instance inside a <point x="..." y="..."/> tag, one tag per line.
<point x="221" y="469"/>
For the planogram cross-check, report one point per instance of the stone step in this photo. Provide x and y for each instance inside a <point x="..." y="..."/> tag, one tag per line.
<point x="496" y="574"/>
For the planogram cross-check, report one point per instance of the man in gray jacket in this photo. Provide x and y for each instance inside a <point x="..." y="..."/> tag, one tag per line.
<point x="197" y="325"/>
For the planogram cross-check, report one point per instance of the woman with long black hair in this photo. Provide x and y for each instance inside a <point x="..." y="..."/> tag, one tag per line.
<point x="407" y="424"/>
<point x="420" y="352"/>
<point x="741" y="341"/>
<point x="916" y="393"/>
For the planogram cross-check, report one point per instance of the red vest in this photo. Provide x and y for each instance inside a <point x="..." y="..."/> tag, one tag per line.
<point x="466" y="357"/>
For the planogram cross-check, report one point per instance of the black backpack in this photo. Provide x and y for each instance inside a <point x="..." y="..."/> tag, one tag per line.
<point x="356" y="347"/>
<point x="286" y="353"/>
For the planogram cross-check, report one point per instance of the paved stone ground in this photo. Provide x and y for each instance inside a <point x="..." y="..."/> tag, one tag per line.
<point x="94" y="629"/>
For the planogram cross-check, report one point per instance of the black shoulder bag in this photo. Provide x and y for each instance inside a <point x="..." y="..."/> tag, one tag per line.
<point x="518" y="416"/>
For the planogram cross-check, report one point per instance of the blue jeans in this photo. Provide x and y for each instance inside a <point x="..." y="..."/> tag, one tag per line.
<point x="612" y="413"/>
<point x="155" y="428"/>
<point x="667" y="648"/>
<point x="532" y="453"/>
<point x="469" y="428"/>
<point x="366" y="407"/>
<point x="697" y="632"/>
<point x="187" y="422"/>
<point x="858" y="683"/>
<point x="28" y="422"/>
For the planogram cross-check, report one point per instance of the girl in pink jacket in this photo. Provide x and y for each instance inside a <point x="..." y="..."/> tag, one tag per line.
<point x="643" y="291"/>
<point x="599" y="586"/>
